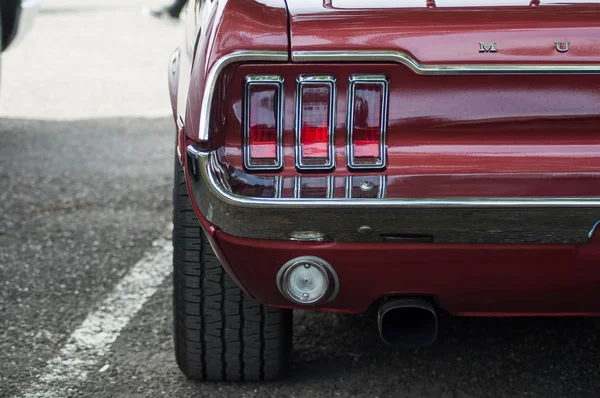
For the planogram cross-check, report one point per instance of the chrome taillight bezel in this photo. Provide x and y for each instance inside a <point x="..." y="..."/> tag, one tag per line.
<point x="354" y="81"/>
<point x="301" y="82"/>
<point x="278" y="187"/>
<point x="266" y="80"/>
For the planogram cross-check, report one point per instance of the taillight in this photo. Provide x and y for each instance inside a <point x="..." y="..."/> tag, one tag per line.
<point x="315" y="122"/>
<point x="263" y="123"/>
<point x="367" y="118"/>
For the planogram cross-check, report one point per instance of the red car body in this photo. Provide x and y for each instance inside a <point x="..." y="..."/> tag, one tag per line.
<point x="490" y="194"/>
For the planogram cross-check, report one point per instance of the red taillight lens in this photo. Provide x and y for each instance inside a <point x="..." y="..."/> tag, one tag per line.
<point x="367" y="107"/>
<point x="314" y="140"/>
<point x="262" y="135"/>
<point x="367" y="121"/>
<point x="315" y="122"/>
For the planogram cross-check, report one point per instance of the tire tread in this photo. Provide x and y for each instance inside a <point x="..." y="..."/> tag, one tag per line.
<point x="220" y="334"/>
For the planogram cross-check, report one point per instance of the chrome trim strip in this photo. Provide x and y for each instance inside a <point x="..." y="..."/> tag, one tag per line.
<point x="232" y="199"/>
<point x="348" y="187"/>
<point x="297" y="187"/>
<point x="212" y="77"/>
<point x="382" y="187"/>
<point x="358" y="80"/>
<point x="276" y="81"/>
<point x="424" y="69"/>
<point x="593" y="230"/>
<point x="330" y="193"/>
<point x="301" y="82"/>
<point x="298" y="239"/>
<point x="278" y="186"/>
<point x="367" y="56"/>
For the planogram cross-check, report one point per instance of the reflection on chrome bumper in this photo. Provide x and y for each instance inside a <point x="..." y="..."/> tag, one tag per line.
<point x="27" y="12"/>
<point x="256" y="207"/>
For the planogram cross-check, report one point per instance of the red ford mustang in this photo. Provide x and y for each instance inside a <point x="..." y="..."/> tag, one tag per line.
<point x="410" y="157"/>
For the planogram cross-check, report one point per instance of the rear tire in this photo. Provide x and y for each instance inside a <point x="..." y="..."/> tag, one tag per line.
<point x="220" y="334"/>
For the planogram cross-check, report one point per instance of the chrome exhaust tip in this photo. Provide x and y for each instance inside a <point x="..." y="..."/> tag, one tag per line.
<point x="407" y="323"/>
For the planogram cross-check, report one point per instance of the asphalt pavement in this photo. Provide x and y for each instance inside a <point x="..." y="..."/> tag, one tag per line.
<point x="86" y="157"/>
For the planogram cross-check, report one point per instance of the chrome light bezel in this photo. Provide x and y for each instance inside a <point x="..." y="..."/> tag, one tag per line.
<point x="301" y="82"/>
<point x="267" y="80"/>
<point x="331" y="278"/>
<point x="356" y="80"/>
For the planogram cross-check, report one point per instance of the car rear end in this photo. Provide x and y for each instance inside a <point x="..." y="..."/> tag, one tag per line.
<point x="440" y="154"/>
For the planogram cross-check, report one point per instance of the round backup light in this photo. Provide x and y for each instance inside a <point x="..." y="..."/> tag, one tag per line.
<point x="307" y="281"/>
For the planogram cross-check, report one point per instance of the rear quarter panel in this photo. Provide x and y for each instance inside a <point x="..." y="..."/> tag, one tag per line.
<point x="216" y="28"/>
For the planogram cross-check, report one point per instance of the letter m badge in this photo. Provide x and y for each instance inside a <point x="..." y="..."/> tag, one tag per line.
<point x="484" y="48"/>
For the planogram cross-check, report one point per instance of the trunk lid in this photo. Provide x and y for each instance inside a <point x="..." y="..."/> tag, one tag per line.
<point x="451" y="31"/>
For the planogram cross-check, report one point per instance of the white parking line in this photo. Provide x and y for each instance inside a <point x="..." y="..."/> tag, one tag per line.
<point x="92" y="340"/>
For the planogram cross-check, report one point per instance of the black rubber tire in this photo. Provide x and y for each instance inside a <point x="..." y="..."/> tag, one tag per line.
<point x="220" y="334"/>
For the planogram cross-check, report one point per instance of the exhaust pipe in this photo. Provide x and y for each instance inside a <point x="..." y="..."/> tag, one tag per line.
<point x="407" y="323"/>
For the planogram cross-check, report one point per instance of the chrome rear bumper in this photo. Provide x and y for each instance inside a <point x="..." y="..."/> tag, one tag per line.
<point x="266" y="215"/>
